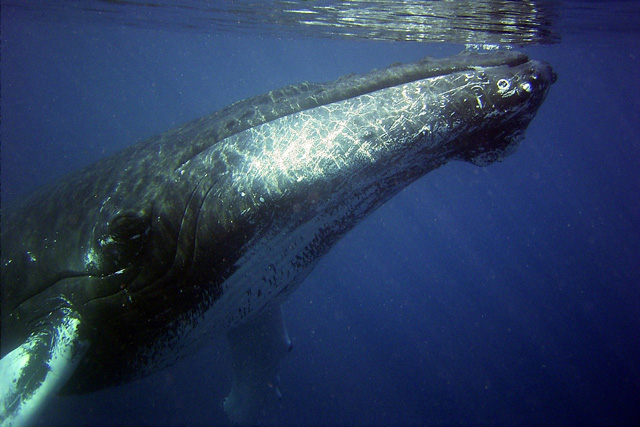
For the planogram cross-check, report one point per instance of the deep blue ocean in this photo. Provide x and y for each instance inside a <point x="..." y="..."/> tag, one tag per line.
<point x="501" y="295"/>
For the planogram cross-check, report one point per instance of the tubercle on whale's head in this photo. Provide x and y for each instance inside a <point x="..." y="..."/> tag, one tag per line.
<point x="502" y="108"/>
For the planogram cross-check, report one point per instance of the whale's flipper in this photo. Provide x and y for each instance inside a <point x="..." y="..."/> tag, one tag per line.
<point x="39" y="367"/>
<point x="257" y="347"/>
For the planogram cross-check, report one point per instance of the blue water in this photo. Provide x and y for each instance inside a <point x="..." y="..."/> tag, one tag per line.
<point x="505" y="295"/>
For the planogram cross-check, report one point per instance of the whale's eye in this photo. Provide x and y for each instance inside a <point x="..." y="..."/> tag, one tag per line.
<point x="128" y="227"/>
<point x="120" y="242"/>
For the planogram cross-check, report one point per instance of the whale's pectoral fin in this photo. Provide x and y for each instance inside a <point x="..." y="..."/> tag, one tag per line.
<point x="257" y="347"/>
<point x="39" y="367"/>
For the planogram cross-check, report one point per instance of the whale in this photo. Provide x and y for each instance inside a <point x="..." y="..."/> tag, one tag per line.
<point x="120" y="269"/>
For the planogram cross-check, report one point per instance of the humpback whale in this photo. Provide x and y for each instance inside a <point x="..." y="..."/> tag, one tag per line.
<point x="119" y="269"/>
